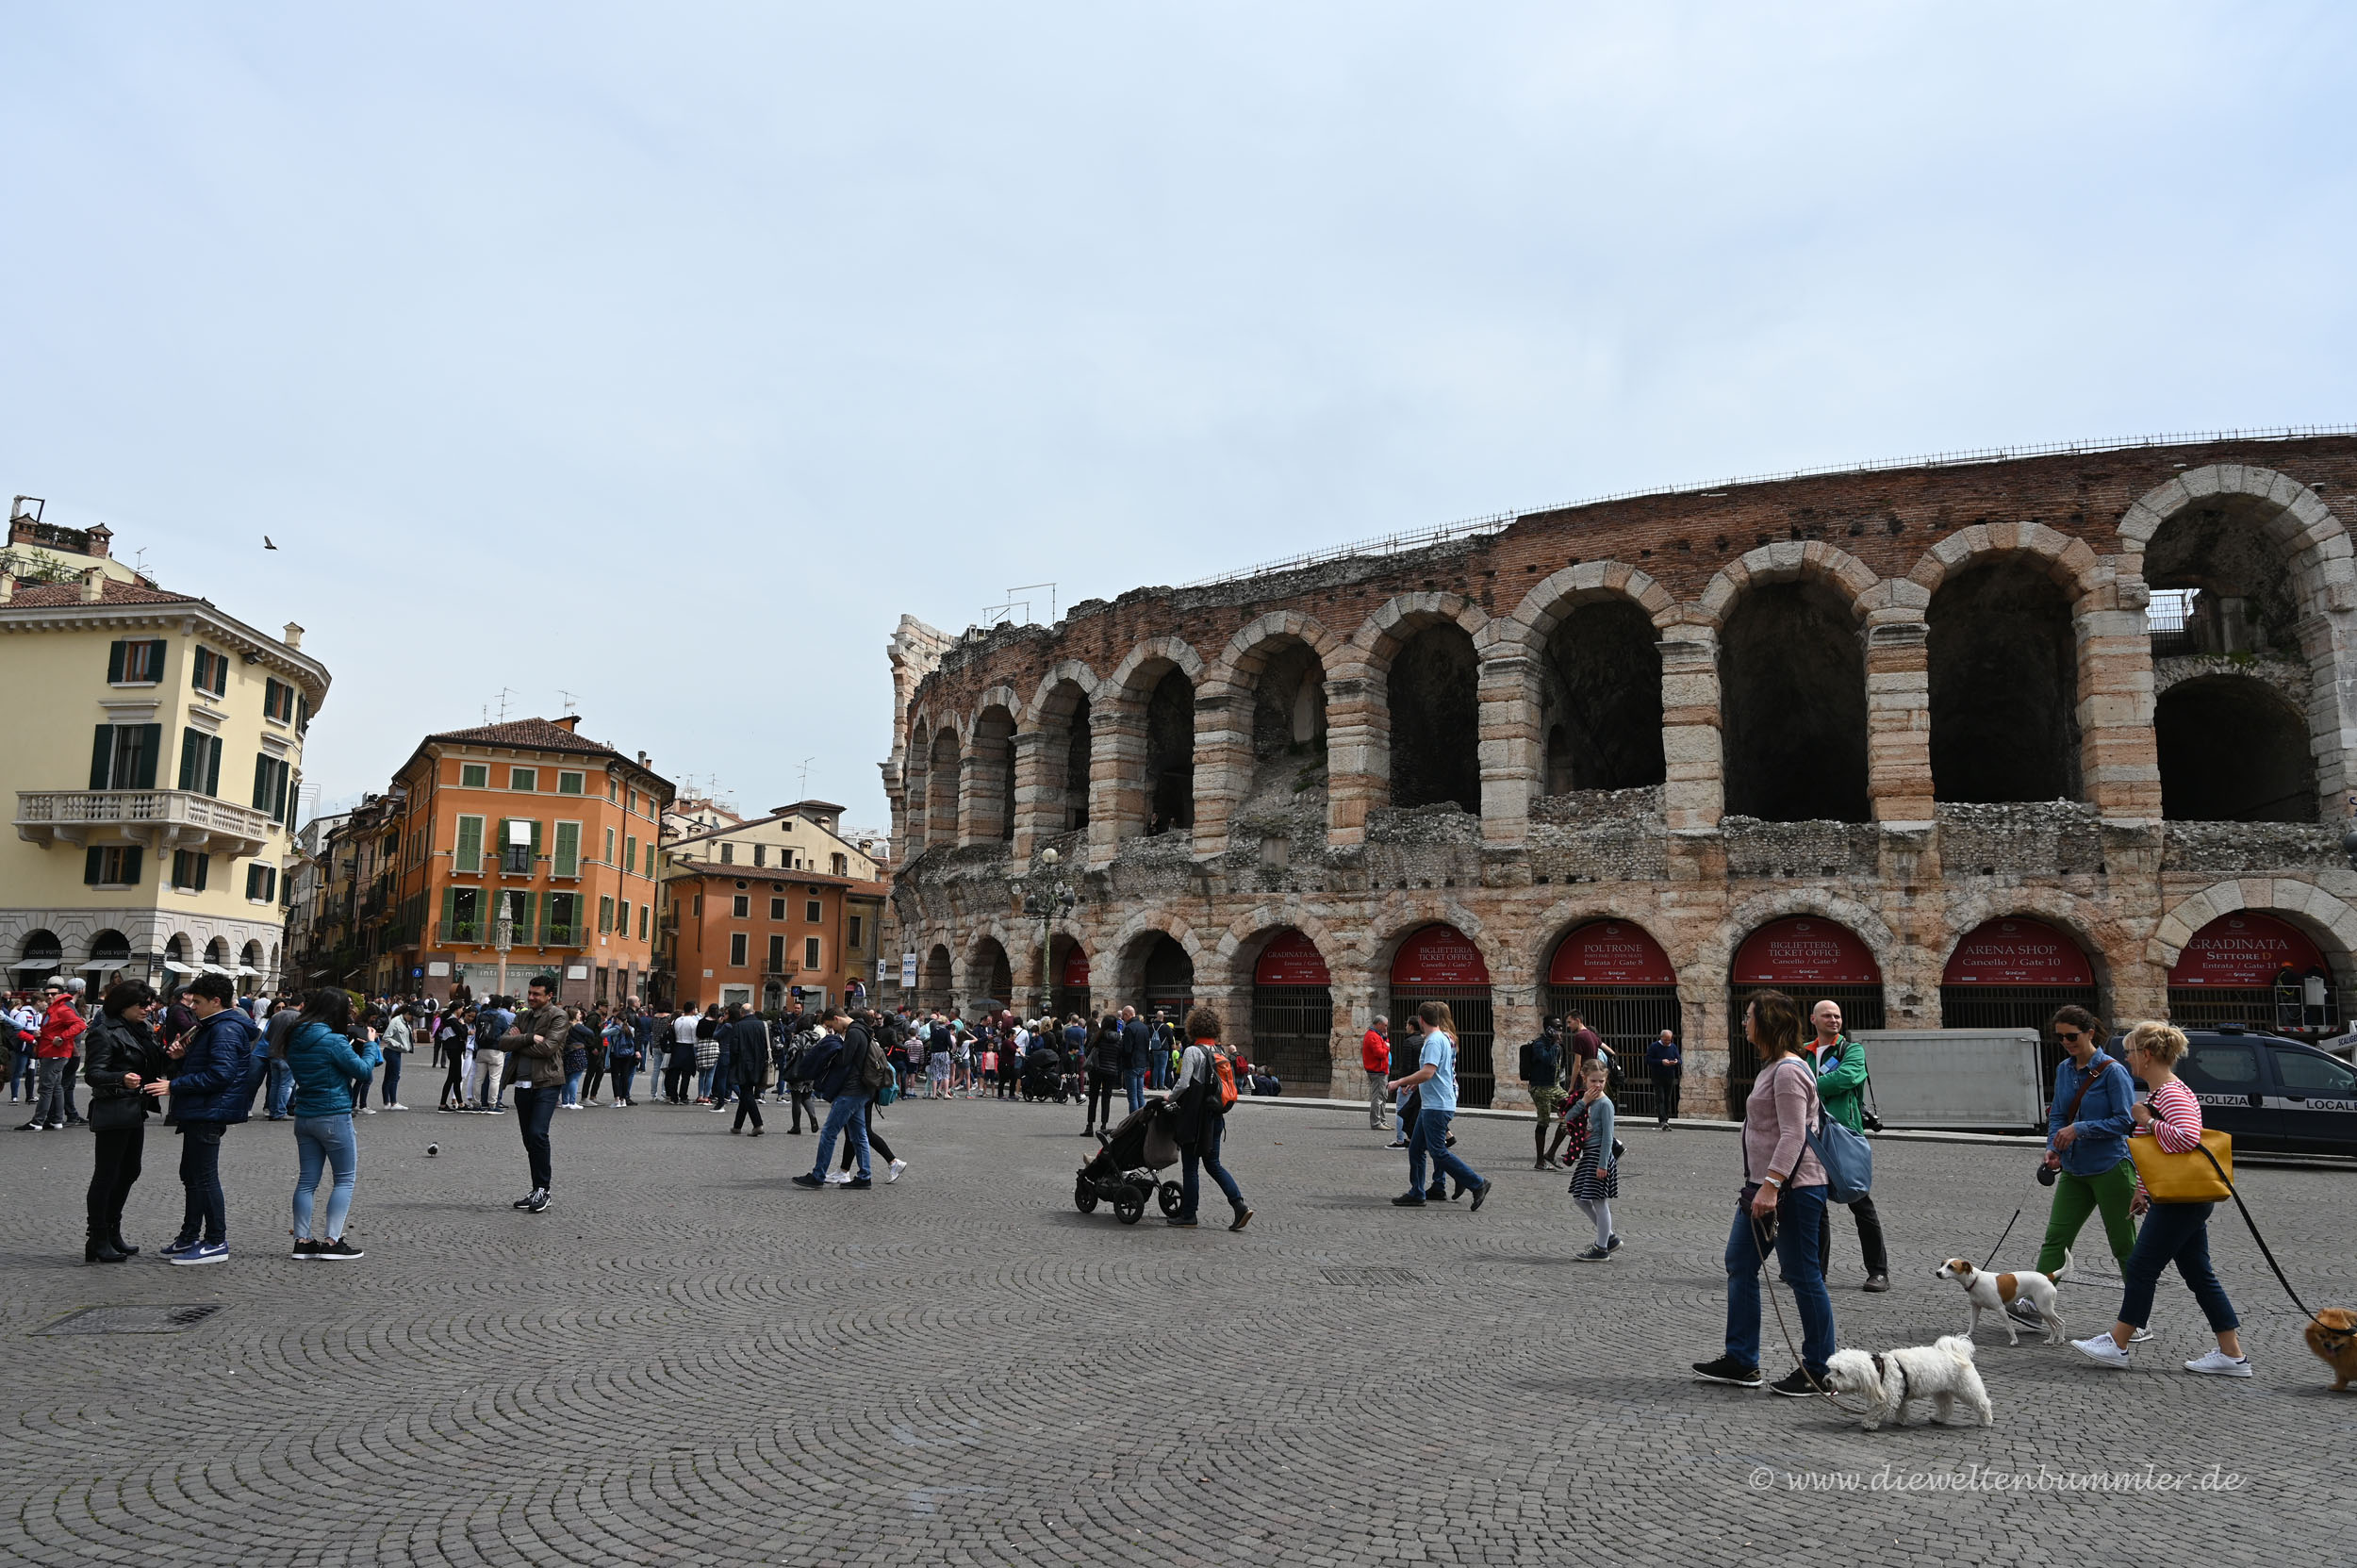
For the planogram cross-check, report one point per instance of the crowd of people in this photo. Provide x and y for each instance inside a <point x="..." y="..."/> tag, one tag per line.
<point x="206" y="1058"/>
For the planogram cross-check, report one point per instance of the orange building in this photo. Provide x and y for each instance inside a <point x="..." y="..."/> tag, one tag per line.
<point x="732" y="933"/>
<point x="529" y="817"/>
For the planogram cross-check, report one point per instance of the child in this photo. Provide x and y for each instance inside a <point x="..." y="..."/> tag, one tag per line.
<point x="1596" y="1178"/>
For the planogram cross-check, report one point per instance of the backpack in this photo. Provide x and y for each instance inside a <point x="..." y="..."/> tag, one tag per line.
<point x="874" y="1074"/>
<point x="1226" y="1078"/>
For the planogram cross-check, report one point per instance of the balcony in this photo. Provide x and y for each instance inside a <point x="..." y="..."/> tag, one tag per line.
<point x="161" y="818"/>
<point x="463" y="934"/>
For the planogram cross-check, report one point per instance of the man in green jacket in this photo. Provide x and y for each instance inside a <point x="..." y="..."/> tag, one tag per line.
<point x="1841" y="1085"/>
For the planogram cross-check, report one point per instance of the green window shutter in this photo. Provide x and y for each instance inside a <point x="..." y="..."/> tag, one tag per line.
<point x="192" y="758"/>
<point x="102" y="754"/>
<point x="535" y="869"/>
<point x="261" y="784"/>
<point x="151" y="744"/>
<point x="131" y="865"/>
<point x="568" y="850"/>
<point x="197" y="664"/>
<point x="204" y="871"/>
<point x="278" y="801"/>
<point x="155" y="660"/>
<point x="212" y="766"/>
<point x="468" y="855"/>
<point x="114" y="660"/>
<point x="524" y="905"/>
<point x="93" y="865"/>
<point x="450" y="913"/>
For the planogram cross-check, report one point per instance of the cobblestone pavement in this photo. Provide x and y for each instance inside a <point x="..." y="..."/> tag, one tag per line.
<point x="687" y="1361"/>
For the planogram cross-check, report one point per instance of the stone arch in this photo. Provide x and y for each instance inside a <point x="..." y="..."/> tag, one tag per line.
<point x="1036" y="712"/>
<point x="943" y="780"/>
<point x="1246" y="653"/>
<point x="2304" y="904"/>
<point x="1815" y="560"/>
<point x="1401" y="915"/>
<point x="2069" y="562"/>
<point x="988" y="970"/>
<point x="1542" y="609"/>
<point x="1240" y="945"/>
<point x="2296" y="519"/>
<point x="1380" y="637"/>
<point x="2006" y="675"/>
<point x="986" y="813"/>
<point x="1116" y="948"/>
<point x="1566" y="916"/>
<point x="2115" y="949"/>
<point x="1716" y="951"/>
<point x="1134" y="676"/>
<point x="2233" y="748"/>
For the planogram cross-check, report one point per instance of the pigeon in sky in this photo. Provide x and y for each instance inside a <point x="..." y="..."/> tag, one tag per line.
<point x="266" y="544"/>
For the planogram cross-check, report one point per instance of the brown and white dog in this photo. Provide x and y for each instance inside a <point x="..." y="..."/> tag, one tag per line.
<point x="2333" y="1336"/>
<point x="1994" y="1293"/>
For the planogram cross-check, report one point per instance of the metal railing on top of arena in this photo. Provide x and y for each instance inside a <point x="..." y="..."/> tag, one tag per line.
<point x="1416" y="539"/>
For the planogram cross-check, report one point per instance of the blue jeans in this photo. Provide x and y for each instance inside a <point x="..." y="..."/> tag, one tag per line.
<point x="393" y="1075"/>
<point x="846" y="1110"/>
<point x="324" y="1141"/>
<point x="1137" y="1089"/>
<point x="281" y="1087"/>
<point x="1430" y="1139"/>
<point x="704" y="1080"/>
<point x="205" y="1215"/>
<point x="572" y="1088"/>
<point x="1208" y="1157"/>
<point x="2175" y="1234"/>
<point x="1800" y="1221"/>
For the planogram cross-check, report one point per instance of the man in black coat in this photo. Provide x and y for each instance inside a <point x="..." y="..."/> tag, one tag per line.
<point x="745" y="1058"/>
<point x="1137" y="1049"/>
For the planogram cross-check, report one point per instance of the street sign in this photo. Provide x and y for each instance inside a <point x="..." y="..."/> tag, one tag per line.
<point x="908" y="971"/>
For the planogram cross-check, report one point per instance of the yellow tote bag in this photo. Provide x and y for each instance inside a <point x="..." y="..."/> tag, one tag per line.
<point x="2204" y="1175"/>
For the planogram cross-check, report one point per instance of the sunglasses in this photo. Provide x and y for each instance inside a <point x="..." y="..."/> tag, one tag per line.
<point x="2068" y="1035"/>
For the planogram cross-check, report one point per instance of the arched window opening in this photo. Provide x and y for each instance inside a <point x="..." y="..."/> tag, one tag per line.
<point x="1069" y="964"/>
<point x="2013" y="973"/>
<point x="1293" y="1015"/>
<point x="1792" y="680"/>
<point x="2232" y="749"/>
<point x="1065" y="756"/>
<point x="1169" y="979"/>
<point x="1434" y="695"/>
<point x="1288" y="726"/>
<point x="1441" y="963"/>
<point x="937" y="980"/>
<point x="1617" y="979"/>
<point x="941" y="784"/>
<point x="993" y="977"/>
<point x="993" y="763"/>
<point x="37" y="957"/>
<point x="2222" y="584"/>
<point x="2004" y="687"/>
<point x="1170" y="754"/>
<point x="1810" y="960"/>
<point x="1604" y="698"/>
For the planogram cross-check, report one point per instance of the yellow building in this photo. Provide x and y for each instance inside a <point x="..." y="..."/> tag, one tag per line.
<point x="153" y="761"/>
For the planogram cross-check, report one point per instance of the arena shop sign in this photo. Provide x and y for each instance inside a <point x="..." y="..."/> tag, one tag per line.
<point x="2018" y="953"/>
<point x="1611" y="952"/>
<point x="2245" y="951"/>
<point x="1805" y="950"/>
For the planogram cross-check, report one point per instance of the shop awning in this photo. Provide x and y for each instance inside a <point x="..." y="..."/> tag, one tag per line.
<point x="179" y="968"/>
<point x="35" y="964"/>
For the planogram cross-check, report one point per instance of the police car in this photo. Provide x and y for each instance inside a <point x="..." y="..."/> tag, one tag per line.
<point x="2269" y="1093"/>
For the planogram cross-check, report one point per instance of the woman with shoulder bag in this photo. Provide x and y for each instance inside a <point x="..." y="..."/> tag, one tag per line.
<point x="1202" y="1100"/>
<point x="1781" y="1206"/>
<point x="2173" y="1232"/>
<point x="125" y="1070"/>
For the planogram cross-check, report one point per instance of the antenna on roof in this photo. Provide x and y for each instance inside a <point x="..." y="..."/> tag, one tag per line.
<point x="505" y="695"/>
<point x="804" y="787"/>
<point x="570" y="703"/>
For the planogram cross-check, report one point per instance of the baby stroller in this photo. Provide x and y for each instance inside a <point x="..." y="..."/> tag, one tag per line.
<point x="1043" y="1076"/>
<point x="1122" y="1172"/>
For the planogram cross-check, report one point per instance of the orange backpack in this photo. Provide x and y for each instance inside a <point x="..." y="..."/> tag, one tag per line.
<point x="1227" y="1079"/>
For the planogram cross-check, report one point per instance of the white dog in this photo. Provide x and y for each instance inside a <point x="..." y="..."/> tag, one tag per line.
<point x="1942" y="1373"/>
<point x="1993" y="1293"/>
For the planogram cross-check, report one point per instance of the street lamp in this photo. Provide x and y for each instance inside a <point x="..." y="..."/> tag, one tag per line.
<point x="1049" y="899"/>
<point x="503" y="935"/>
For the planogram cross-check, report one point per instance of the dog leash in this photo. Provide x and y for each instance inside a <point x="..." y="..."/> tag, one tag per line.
<point x="2265" y="1251"/>
<point x="1759" y="1245"/>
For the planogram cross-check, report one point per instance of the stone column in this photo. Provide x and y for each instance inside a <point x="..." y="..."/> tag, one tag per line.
<point x="1693" y="790"/>
<point x="1899" y="712"/>
<point x="1510" y="747"/>
<point x="1223" y="764"/>
<point x="1116" y="778"/>
<point x="1356" y="1000"/>
<point x="2119" y="761"/>
<point x="1357" y="754"/>
<point x="1703" y="1006"/>
<point x="980" y="783"/>
<point x="1034" y="818"/>
<point x="917" y="790"/>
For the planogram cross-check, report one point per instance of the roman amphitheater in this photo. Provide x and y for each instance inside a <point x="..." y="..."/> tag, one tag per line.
<point x="1951" y="742"/>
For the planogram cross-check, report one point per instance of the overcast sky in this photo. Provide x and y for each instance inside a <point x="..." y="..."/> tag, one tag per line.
<point x="665" y="354"/>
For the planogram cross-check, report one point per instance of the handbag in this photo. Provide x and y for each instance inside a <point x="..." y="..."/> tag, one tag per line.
<point x="1848" y="1158"/>
<point x="2200" y="1175"/>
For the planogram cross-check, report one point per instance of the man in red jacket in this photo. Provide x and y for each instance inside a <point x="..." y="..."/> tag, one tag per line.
<point x="1374" y="1055"/>
<point x="61" y="1029"/>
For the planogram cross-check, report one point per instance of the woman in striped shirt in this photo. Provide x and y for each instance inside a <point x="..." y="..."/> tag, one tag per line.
<point x="2171" y="1232"/>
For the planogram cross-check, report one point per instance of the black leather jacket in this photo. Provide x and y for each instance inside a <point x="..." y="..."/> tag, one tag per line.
<point x="116" y="1046"/>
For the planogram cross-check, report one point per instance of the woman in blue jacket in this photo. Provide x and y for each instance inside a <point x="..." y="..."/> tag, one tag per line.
<point x="328" y="1071"/>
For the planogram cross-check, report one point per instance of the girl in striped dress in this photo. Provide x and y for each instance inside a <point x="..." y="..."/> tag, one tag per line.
<point x="1596" y="1174"/>
<point x="2173" y="1232"/>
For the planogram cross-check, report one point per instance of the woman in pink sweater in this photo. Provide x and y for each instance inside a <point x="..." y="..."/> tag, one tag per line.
<point x="2173" y="1232"/>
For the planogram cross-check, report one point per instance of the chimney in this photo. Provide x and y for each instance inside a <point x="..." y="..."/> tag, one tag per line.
<point x="294" y="635"/>
<point x="98" y="538"/>
<point x="7" y="587"/>
<point x="93" y="585"/>
<point x="569" y="723"/>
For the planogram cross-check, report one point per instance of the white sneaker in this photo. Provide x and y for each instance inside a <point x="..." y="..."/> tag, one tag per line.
<point x="395" y="1108"/>
<point x="2218" y="1363"/>
<point x="898" y="1166"/>
<point x="2101" y="1350"/>
<point x="367" y="1109"/>
<point x="836" y="1177"/>
<point x="2141" y="1335"/>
